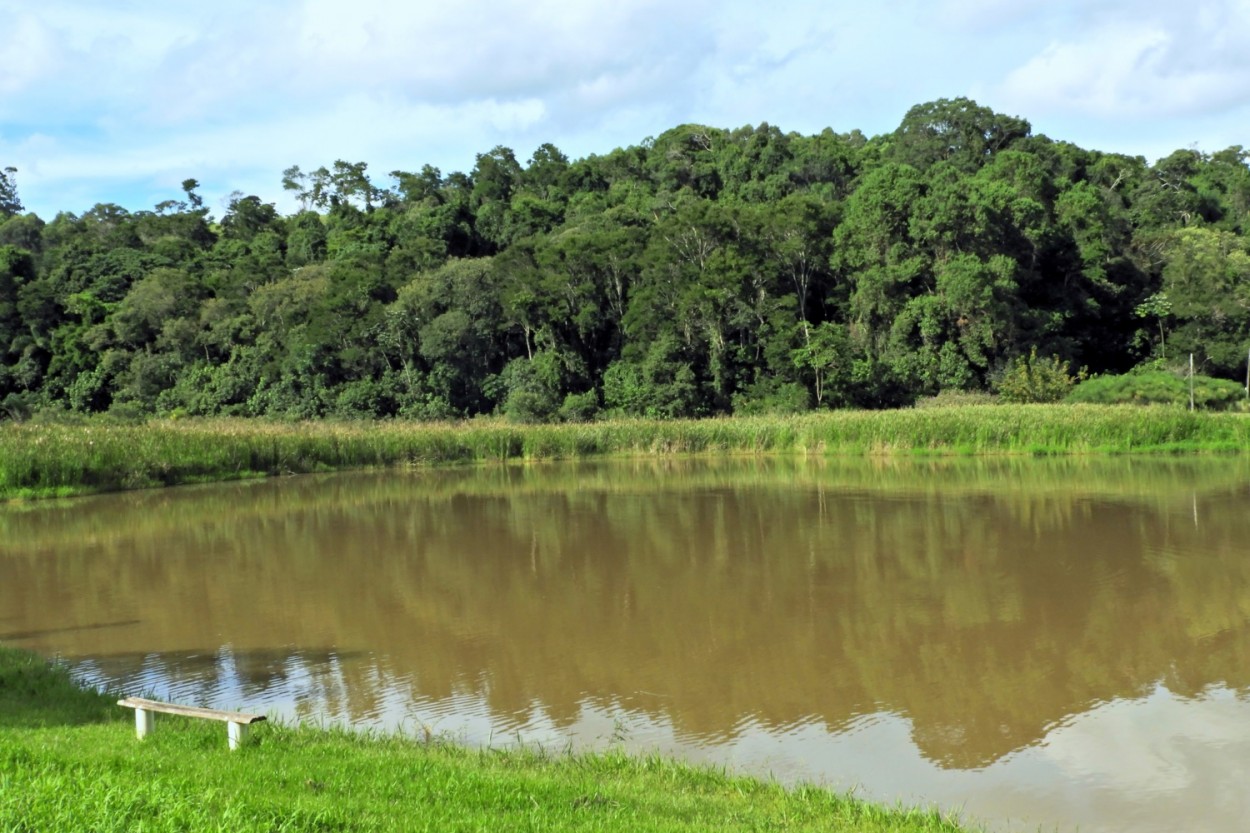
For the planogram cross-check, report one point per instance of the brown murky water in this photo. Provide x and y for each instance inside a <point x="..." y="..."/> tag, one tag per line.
<point x="1036" y="643"/>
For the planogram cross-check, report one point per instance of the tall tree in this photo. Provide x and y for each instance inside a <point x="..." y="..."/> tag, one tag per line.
<point x="1207" y="280"/>
<point x="9" y="202"/>
<point x="958" y="131"/>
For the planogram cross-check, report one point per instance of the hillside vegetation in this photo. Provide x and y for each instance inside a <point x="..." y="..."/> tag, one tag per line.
<point x="703" y="271"/>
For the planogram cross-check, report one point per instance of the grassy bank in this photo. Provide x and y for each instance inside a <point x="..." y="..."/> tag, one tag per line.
<point x="55" y="459"/>
<point x="69" y="761"/>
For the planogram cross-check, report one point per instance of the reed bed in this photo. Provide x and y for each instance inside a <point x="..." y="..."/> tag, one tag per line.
<point x="50" y="459"/>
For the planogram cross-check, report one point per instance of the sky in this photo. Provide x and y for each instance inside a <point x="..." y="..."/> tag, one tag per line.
<point x="121" y="101"/>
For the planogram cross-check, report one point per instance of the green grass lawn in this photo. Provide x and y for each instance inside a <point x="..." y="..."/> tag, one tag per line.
<point x="69" y="760"/>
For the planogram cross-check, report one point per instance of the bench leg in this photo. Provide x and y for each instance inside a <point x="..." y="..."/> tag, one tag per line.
<point x="236" y="734"/>
<point x="145" y="721"/>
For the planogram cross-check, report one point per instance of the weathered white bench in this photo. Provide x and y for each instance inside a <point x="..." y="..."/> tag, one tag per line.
<point x="237" y="723"/>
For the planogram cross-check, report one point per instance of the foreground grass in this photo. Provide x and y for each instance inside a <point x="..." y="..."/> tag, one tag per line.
<point x="54" y="459"/>
<point x="69" y="761"/>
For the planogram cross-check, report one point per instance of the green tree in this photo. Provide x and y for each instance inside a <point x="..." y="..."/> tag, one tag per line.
<point x="876" y="257"/>
<point x="444" y="326"/>
<point x="247" y="217"/>
<point x="160" y="297"/>
<point x="306" y="240"/>
<point x="797" y="235"/>
<point x="1206" y="278"/>
<point x="827" y="355"/>
<point x="10" y="205"/>
<point x="419" y="187"/>
<point x="25" y="231"/>
<point x="545" y="173"/>
<point x="495" y="178"/>
<point x="958" y="131"/>
<point x="351" y="185"/>
<point x="17" y="268"/>
<point x="660" y="385"/>
<point x="1158" y="307"/>
<point x="685" y="158"/>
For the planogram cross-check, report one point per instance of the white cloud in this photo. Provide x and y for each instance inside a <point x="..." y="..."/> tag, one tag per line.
<point x="1158" y="63"/>
<point x="1088" y="75"/>
<point x="985" y="15"/>
<point x="431" y="53"/>
<point x="86" y="56"/>
<point x="146" y="92"/>
<point x="1160" y="761"/>
<point x="20" y="68"/>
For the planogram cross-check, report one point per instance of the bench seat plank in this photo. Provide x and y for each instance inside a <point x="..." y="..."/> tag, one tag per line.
<point x="190" y="711"/>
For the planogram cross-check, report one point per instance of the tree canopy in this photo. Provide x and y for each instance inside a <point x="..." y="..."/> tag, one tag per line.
<point x="703" y="271"/>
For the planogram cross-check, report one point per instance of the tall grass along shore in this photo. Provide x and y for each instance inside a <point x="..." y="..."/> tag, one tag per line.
<point x="49" y="459"/>
<point x="69" y="760"/>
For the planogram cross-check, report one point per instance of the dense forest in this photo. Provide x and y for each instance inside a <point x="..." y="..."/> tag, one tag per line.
<point x="700" y="272"/>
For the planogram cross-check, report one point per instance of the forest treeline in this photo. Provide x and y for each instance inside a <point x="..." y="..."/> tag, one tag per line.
<point x="704" y="271"/>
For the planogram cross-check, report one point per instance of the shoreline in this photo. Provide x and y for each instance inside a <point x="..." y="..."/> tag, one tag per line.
<point x="40" y="460"/>
<point x="69" y="759"/>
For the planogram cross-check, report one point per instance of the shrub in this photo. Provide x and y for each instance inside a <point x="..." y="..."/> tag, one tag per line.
<point x="1159" y="388"/>
<point x="529" y="395"/>
<point x="18" y="407"/>
<point x="957" y="398"/>
<point x="662" y="386"/>
<point x="1029" y="380"/>
<point x="769" y="396"/>
<point x="363" y="398"/>
<point x="580" y="407"/>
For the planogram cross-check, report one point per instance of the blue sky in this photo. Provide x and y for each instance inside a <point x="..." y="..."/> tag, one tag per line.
<point x="120" y="102"/>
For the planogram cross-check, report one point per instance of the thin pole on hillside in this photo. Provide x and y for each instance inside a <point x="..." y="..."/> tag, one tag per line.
<point x="1191" y="381"/>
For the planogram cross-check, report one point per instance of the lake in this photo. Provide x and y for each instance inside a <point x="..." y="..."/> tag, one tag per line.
<point x="1033" y="643"/>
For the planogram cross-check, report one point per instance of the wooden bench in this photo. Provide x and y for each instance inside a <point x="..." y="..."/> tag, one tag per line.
<point x="237" y="723"/>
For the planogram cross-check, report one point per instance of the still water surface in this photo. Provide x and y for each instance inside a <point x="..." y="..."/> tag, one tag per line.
<point x="1035" y="644"/>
